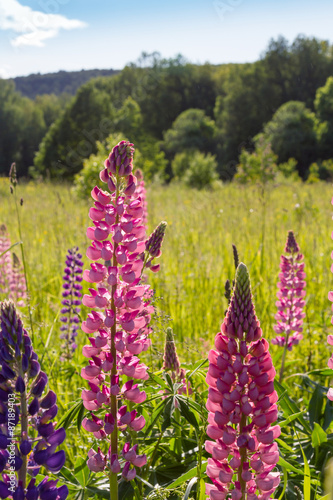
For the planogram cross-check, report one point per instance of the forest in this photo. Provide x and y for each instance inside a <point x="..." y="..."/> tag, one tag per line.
<point x="170" y="107"/>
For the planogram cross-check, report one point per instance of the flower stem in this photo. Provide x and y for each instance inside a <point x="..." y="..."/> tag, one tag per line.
<point x="24" y="263"/>
<point x="113" y="398"/>
<point x="22" y="474"/>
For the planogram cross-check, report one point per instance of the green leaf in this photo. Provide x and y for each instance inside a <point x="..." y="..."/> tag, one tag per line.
<point x="12" y="246"/>
<point x="328" y="414"/>
<point x="80" y="416"/>
<point x="189" y="487"/>
<point x="185" y="477"/>
<point x="81" y="471"/>
<point x="202" y="495"/>
<point x="307" y="478"/>
<point x="187" y="413"/>
<point x="318" y="436"/>
<point x="288" y="466"/>
<point x="290" y="419"/>
<point x="70" y="415"/>
<point x="315" y="406"/>
<point x="68" y="476"/>
<point x="289" y="407"/>
<point x="285" y="482"/>
<point x="98" y="492"/>
<point x="199" y="365"/>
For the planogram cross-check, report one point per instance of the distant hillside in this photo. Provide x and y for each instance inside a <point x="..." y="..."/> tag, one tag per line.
<point x="57" y="83"/>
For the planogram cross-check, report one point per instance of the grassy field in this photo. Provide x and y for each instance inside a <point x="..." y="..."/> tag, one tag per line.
<point x="197" y="254"/>
<point x="197" y="259"/>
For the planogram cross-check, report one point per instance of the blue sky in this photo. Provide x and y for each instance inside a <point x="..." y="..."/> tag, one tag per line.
<point x="49" y="35"/>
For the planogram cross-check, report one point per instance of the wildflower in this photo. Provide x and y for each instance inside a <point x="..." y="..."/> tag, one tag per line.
<point x="17" y="283"/>
<point x="241" y="404"/>
<point x="27" y="412"/>
<point x="5" y="260"/>
<point x="291" y="299"/>
<point x="118" y="326"/>
<point x="71" y="302"/>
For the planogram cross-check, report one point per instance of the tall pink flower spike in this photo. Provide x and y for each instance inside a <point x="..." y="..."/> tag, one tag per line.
<point x="242" y="405"/>
<point x="291" y="299"/>
<point x="118" y="326"/>
<point x="5" y="260"/>
<point x="330" y="337"/>
<point x="17" y="283"/>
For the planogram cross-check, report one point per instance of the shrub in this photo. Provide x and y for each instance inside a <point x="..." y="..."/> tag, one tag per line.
<point x="201" y="172"/>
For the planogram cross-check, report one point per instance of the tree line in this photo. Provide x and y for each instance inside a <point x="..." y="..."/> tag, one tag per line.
<point x="169" y="107"/>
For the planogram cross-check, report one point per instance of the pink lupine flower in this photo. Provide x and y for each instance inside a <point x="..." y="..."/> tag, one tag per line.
<point x="5" y="260"/>
<point x="291" y="299"/>
<point x="17" y="283"/>
<point x="118" y="326"/>
<point x="241" y="404"/>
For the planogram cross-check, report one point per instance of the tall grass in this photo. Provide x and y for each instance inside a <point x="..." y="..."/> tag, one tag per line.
<point x="196" y="261"/>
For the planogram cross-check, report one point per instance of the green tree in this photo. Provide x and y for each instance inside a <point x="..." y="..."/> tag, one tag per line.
<point x="192" y="130"/>
<point x="291" y="132"/>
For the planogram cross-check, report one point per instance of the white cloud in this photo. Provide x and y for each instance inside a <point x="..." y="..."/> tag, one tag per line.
<point x="34" y="27"/>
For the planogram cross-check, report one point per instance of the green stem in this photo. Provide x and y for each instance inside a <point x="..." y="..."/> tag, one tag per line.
<point x="283" y="359"/>
<point x="24" y="264"/>
<point x="22" y="473"/>
<point x="288" y="335"/>
<point x="113" y="399"/>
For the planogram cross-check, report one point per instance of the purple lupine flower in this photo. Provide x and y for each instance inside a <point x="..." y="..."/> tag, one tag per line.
<point x="26" y="412"/>
<point x="17" y="283"/>
<point x="71" y="302"/>
<point x="118" y="325"/>
<point x="5" y="260"/>
<point x="241" y="404"/>
<point x="291" y="299"/>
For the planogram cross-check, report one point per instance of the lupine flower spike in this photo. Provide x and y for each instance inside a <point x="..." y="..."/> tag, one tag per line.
<point x="330" y="337"/>
<point x="28" y="438"/>
<point x="5" y="260"/>
<point x="118" y="326"/>
<point x="171" y="363"/>
<point x="291" y="299"/>
<point x="17" y="283"/>
<point x="71" y="302"/>
<point x="241" y="405"/>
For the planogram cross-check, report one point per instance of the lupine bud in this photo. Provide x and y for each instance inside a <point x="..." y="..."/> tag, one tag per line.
<point x="171" y="363"/>
<point x="12" y="174"/>
<point x="154" y="242"/>
<point x="170" y="360"/>
<point x="5" y="260"/>
<point x="241" y="404"/>
<point x="72" y="301"/>
<point x="22" y="386"/>
<point x="291" y="298"/>
<point x="236" y="257"/>
<point x="118" y="325"/>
